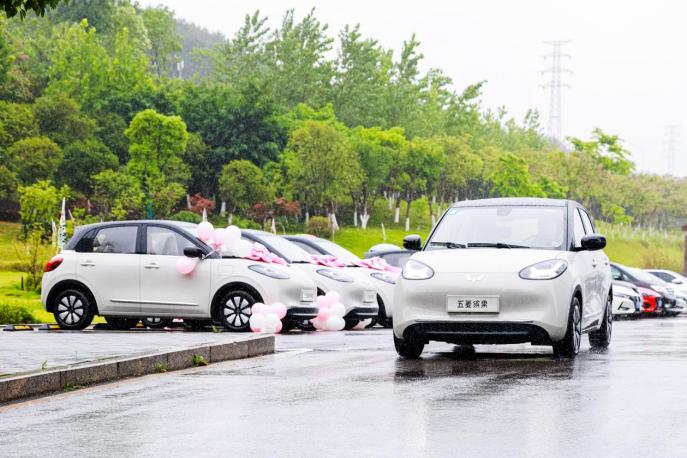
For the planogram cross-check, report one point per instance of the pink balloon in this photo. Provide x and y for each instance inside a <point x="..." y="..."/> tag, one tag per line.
<point x="279" y="328"/>
<point x="219" y="236"/>
<point x="259" y="308"/>
<point x="322" y="302"/>
<point x="323" y="314"/>
<point x="333" y="297"/>
<point x="205" y="231"/>
<point x="186" y="265"/>
<point x="279" y="309"/>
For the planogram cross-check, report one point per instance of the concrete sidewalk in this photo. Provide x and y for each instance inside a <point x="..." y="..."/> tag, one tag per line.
<point x="29" y="351"/>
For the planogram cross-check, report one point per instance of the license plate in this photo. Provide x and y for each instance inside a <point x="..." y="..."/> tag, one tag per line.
<point x="472" y="304"/>
<point x="369" y="296"/>
<point x="307" y="295"/>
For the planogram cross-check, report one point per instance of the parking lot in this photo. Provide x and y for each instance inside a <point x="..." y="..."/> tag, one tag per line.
<point x="347" y="393"/>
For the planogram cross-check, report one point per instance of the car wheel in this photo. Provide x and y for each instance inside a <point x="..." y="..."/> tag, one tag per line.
<point x="602" y="337"/>
<point x="408" y="348"/>
<point x="382" y="319"/>
<point x="569" y="347"/>
<point x="235" y="310"/>
<point x="121" y="323"/>
<point x="156" y="322"/>
<point x="73" y="310"/>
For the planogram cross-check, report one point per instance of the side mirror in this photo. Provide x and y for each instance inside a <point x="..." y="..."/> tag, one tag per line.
<point x="412" y="242"/>
<point x="593" y="242"/>
<point x="193" y="252"/>
<point x="677" y="281"/>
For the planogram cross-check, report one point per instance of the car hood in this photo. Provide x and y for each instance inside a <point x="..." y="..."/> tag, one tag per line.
<point x="485" y="260"/>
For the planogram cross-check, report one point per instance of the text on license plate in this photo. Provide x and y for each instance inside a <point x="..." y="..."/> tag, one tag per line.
<point x="472" y="304"/>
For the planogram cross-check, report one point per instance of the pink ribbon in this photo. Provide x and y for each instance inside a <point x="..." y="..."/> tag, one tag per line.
<point x="377" y="263"/>
<point x="262" y="254"/>
<point x="326" y="260"/>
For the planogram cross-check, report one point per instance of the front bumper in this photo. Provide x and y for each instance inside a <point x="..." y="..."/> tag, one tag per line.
<point x="529" y="310"/>
<point x="301" y="314"/>
<point x="362" y="313"/>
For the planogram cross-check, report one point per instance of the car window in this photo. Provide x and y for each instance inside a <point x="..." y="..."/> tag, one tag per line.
<point x="306" y="247"/>
<point x="118" y="239"/>
<point x="588" y="226"/>
<point x="663" y="276"/>
<point x="165" y="242"/>
<point x="617" y="274"/>
<point x="396" y="259"/>
<point x="578" y="229"/>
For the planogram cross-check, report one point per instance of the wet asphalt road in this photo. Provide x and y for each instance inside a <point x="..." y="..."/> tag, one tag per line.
<point x="347" y="394"/>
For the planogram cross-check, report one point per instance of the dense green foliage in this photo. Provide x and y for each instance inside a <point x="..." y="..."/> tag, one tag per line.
<point x="285" y="123"/>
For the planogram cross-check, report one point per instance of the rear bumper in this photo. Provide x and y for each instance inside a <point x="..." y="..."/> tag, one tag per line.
<point x="478" y="333"/>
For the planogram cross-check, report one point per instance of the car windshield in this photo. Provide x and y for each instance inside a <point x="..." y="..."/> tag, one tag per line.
<point x="644" y="276"/>
<point x="500" y="226"/>
<point x="285" y="248"/>
<point x="339" y="252"/>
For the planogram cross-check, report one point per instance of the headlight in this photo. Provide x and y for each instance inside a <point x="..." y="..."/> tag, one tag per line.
<point x="660" y="289"/>
<point x="335" y="275"/>
<point x="415" y="270"/>
<point x="269" y="271"/>
<point x="383" y="277"/>
<point x="545" y="270"/>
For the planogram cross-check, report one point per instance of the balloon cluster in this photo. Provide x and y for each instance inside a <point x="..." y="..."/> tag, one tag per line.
<point x="225" y="240"/>
<point x="267" y="318"/>
<point x="330" y="314"/>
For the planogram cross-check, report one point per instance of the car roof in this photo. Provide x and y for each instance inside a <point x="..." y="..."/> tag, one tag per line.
<point x="515" y="201"/>
<point x="137" y="221"/>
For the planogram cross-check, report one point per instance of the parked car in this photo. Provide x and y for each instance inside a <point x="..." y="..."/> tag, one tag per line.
<point x="626" y="299"/>
<point x="126" y="271"/>
<point x="358" y="295"/>
<point x="676" y="280"/>
<point x="394" y="257"/>
<point x="507" y="270"/>
<point x="383" y="281"/>
<point x="666" y="304"/>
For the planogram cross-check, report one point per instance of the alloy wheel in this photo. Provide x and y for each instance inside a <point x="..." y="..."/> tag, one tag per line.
<point x="236" y="310"/>
<point x="70" y="309"/>
<point x="577" y="327"/>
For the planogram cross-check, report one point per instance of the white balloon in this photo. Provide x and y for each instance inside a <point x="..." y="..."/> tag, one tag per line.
<point x="338" y="310"/>
<point x="333" y="297"/>
<point x="317" y="324"/>
<point x="335" y="323"/>
<point x="257" y="321"/>
<point x="272" y="321"/>
<point x="241" y="248"/>
<point x="231" y="234"/>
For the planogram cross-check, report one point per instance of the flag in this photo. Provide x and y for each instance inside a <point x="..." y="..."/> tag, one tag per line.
<point x="62" y="231"/>
<point x="53" y="233"/>
<point x="205" y="215"/>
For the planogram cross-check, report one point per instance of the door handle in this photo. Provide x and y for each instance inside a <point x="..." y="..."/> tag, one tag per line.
<point x="151" y="266"/>
<point x="593" y="262"/>
<point x="88" y="264"/>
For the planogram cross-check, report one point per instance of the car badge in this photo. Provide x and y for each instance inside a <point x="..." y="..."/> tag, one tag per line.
<point x="474" y="279"/>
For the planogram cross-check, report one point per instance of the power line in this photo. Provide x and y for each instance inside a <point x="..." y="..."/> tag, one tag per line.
<point x="554" y="85"/>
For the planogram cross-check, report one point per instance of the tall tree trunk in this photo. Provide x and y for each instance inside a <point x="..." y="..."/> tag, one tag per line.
<point x="397" y="211"/>
<point x="408" y="200"/>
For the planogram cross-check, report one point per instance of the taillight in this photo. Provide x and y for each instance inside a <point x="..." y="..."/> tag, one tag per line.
<point x="53" y="264"/>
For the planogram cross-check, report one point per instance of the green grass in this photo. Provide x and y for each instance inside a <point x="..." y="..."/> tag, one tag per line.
<point x="12" y="295"/>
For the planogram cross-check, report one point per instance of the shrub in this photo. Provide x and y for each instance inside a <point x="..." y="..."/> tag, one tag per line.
<point x="12" y="314"/>
<point x="319" y="226"/>
<point x="186" y="216"/>
<point x="661" y="258"/>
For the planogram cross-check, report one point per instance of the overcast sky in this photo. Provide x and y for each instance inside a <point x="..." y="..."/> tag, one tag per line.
<point x="628" y="57"/>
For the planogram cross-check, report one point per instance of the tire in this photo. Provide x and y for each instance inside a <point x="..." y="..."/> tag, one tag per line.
<point x="73" y="310"/>
<point x="121" y="323"/>
<point x="350" y="324"/>
<point x="408" y="348"/>
<point x="235" y="309"/>
<point x="382" y="319"/>
<point x="602" y="337"/>
<point x="156" y="322"/>
<point x="569" y="347"/>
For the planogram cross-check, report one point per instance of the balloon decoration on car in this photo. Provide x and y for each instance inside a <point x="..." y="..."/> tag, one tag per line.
<point x="376" y="263"/>
<point x="330" y="313"/>
<point x="267" y="318"/>
<point x="326" y="261"/>
<point x="227" y="241"/>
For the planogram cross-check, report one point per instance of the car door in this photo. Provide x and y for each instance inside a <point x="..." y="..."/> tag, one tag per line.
<point x="586" y="267"/>
<point x="109" y="264"/>
<point x="164" y="291"/>
<point x="600" y="263"/>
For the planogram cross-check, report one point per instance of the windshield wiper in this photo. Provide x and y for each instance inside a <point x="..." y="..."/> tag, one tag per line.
<point x="494" y="245"/>
<point x="448" y="244"/>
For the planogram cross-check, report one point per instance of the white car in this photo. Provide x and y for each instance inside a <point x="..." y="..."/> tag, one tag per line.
<point x="626" y="299"/>
<point x="676" y="280"/>
<point x="509" y="270"/>
<point x="126" y="271"/>
<point x="383" y="281"/>
<point x="357" y="293"/>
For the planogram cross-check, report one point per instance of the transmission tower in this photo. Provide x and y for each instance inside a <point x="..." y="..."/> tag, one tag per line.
<point x="671" y="141"/>
<point x="555" y="84"/>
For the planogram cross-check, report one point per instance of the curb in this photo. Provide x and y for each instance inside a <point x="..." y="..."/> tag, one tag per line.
<point x="76" y="376"/>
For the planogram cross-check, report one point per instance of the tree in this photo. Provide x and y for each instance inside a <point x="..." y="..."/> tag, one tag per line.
<point x="34" y="158"/>
<point x="607" y="150"/>
<point x="156" y="141"/>
<point x="512" y="178"/>
<point x="82" y="160"/>
<point x="321" y="166"/>
<point x="39" y="204"/>
<point x="59" y="117"/>
<point x="17" y="121"/>
<point x="242" y="184"/>
<point x="421" y="164"/>
<point x="116" y="194"/>
<point x="21" y="7"/>
<point x="165" y="44"/>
